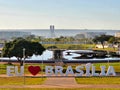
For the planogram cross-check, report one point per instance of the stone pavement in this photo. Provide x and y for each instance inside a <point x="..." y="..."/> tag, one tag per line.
<point x="60" y="81"/>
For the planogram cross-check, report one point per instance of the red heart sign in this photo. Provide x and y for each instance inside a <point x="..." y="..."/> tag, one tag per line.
<point x="34" y="70"/>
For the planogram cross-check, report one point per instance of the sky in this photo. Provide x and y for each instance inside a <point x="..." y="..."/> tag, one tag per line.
<point x="64" y="14"/>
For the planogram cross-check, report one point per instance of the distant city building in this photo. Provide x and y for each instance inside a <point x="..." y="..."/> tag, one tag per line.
<point x="94" y="34"/>
<point x="117" y="34"/>
<point x="6" y="35"/>
<point x="89" y="34"/>
<point x="80" y="36"/>
<point x="52" y="31"/>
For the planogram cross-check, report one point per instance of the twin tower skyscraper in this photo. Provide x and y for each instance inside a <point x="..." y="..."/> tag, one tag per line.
<point x="52" y="31"/>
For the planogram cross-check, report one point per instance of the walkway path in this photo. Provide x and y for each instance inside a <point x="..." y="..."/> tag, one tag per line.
<point x="61" y="81"/>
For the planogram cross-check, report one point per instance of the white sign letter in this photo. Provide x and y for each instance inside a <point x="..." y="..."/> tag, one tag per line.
<point x="69" y="71"/>
<point x="21" y="71"/>
<point x="80" y="71"/>
<point x="111" y="71"/>
<point x="93" y="71"/>
<point x="102" y="71"/>
<point x="87" y="66"/>
<point x="10" y="70"/>
<point x="58" y="69"/>
<point x="49" y="70"/>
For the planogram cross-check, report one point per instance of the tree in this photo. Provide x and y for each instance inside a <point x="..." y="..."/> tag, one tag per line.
<point x="112" y="40"/>
<point x="7" y="51"/>
<point x="102" y="39"/>
<point x="15" y="48"/>
<point x="52" y="47"/>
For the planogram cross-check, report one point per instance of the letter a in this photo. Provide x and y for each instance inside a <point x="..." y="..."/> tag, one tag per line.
<point x="111" y="71"/>
<point x="69" y="71"/>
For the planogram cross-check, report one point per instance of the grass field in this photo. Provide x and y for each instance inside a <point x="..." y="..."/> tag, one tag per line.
<point x="98" y="80"/>
<point x="106" y="49"/>
<point x="20" y="81"/>
<point x="71" y="46"/>
<point x="79" y="47"/>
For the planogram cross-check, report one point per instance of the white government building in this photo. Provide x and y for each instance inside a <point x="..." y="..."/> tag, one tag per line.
<point x="117" y="34"/>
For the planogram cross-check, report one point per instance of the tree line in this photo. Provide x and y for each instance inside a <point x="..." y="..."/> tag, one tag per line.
<point x="23" y="48"/>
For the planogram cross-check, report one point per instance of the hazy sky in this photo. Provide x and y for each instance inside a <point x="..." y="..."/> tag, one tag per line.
<point x="78" y="14"/>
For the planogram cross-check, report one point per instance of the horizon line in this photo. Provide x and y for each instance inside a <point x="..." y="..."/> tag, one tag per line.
<point x="54" y="29"/>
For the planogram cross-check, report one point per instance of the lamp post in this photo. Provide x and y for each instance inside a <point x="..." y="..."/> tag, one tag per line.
<point x="23" y="54"/>
<point x="24" y="63"/>
<point x="42" y="68"/>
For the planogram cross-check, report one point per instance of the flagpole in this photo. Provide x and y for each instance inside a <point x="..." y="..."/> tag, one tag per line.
<point x="42" y="67"/>
<point x="24" y="63"/>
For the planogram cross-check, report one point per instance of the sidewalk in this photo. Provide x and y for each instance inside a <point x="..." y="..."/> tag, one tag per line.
<point x="56" y="81"/>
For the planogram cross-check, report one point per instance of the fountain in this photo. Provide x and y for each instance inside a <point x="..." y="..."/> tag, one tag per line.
<point x="58" y="56"/>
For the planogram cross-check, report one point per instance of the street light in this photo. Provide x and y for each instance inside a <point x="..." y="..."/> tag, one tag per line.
<point x="24" y="63"/>
<point x="24" y="54"/>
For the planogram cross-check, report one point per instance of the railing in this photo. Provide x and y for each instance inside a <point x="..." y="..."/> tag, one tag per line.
<point x="66" y="61"/>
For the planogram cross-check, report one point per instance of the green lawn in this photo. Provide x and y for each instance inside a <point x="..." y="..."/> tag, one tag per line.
<point x="20" y="81"/>
<point x="98" y="80"/>
<point x="79" y="47"/>
<point x="71" y="46"/>
<point x="106" y="49"/>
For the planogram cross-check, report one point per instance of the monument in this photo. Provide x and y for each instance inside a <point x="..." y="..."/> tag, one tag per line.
<point x="58" y="56"/>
